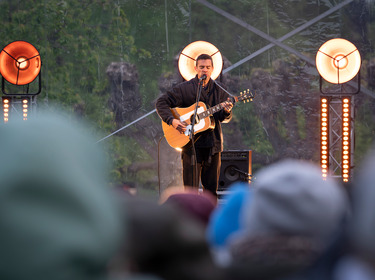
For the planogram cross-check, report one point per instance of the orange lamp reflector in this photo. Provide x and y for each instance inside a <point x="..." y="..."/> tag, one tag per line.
<point x="20" y="63"/>
<point x="188" y="56"/>
<point x="338" y="61"/>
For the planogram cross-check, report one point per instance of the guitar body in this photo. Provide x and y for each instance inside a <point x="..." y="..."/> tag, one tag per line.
<point x="177" y="140"/>
<point x="203" y="121"/>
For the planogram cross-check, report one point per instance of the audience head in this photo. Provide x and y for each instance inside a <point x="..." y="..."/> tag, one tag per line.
<point x="294" y="215"/>
<point x="226" y="219"/>
<point x="58" y="219"/>
<point x="164" y="241"/>
<point x="291" y="198"/>
<point x="198" y="206"/>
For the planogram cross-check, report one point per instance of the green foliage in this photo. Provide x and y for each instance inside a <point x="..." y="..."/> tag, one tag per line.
<point x="280" y="123"/>
<point x="252" y="128"/>
<point x="364" y="129"/>
<point x="77" y="41"/>
<point x="301" y="122"/>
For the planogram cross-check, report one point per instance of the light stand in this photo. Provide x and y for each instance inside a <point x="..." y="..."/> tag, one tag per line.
<point x="26" y="92"/>
<point x="338" y="61"/>
<point x="20" y="65"/>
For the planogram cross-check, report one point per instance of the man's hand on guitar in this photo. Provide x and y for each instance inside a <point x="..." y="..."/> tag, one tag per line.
<point x="227" y="105"/>
<point x="180" y="126"/>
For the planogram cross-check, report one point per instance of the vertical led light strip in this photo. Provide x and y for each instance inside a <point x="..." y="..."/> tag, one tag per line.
<point x="25" y="108"/>
<point x="324" y="136"/>
<point x="6" y="109"/>
<point x="346" y="139"/>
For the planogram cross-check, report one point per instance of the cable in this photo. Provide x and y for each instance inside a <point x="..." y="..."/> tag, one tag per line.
<point x="133" y="122"/>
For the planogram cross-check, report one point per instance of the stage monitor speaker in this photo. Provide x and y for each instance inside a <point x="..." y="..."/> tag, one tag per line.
<point x="235" y="166"/>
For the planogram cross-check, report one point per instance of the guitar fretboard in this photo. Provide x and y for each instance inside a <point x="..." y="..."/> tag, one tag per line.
<point x="219" y="106"/>
<point x="210" y="111"/>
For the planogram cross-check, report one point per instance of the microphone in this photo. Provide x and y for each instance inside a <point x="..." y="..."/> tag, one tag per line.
<point x="203" y="77"/>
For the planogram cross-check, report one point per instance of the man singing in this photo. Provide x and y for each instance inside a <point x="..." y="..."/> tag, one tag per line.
<point x="209" y="143"/>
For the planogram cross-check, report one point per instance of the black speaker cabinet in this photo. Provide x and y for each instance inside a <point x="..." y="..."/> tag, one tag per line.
<point x="235" y="166"/>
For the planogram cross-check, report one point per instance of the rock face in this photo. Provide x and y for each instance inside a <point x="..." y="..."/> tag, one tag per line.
<point x="125" y="99"/>
<point x="371" y="73"/>
<point x="126" y="103"/>
<point x="288" y="109"/>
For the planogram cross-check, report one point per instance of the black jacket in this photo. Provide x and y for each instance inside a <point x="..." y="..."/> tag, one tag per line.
<point x="184" y="95"/>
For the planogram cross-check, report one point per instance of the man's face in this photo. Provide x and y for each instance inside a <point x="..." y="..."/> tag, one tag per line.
<point x="204" y="66"/>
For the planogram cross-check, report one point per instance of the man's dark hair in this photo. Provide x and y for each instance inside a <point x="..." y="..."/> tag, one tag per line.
<point x="204" y="56"/>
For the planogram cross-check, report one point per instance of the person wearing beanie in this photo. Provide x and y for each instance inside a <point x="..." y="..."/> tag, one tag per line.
<point x="225" y="222"/>
<point x="198" y="206"/>
<point x="58" y="218"/>
<point x="225" y="219"/>
<point x="293" y="216"/>
<point x="164" y="241"/>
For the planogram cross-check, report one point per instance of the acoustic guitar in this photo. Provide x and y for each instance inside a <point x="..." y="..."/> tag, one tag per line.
<point x="204" y="120"/>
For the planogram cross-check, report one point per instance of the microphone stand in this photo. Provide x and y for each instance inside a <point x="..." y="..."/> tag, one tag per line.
<point x="246" y="175"/>
<point x="195" y="180"/>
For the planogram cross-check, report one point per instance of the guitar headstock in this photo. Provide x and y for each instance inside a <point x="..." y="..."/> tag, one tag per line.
<point x="245" y="96"/>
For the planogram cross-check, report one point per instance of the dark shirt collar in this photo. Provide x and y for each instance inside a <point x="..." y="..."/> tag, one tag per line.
<point x="208" y="85"/>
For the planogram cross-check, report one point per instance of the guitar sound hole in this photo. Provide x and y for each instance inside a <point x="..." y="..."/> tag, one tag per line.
<point x="196" y="119"/>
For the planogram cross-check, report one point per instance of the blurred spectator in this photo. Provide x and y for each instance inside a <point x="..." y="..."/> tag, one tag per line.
<point x="58" y="219"/>
<point x="163" y="241"/>
<point x="225" y="220"/>
<point x="293" y="216"/>
<point x="198" y="206"/>
<point x="358" y="262"/>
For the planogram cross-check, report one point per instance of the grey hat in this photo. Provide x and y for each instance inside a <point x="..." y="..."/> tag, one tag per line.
<point x="58" y="219"/>
<point x="291" y="198"/>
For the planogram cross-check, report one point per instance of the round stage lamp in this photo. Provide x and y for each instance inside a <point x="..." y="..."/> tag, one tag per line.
<point x="20" y="63"/>
<point x="338" y="61"/>
<point x="188" y="56"/>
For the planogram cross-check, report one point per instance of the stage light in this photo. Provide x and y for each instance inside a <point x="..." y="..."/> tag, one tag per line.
<point x="188" y="56"/>
<point x="324" y="139"/>
<point x="20" y="63"/>
<point x="6" y="108"/>
<point x="338" y="61"/>
<point x="346" y="141"/>
<point x="25" y="106"/>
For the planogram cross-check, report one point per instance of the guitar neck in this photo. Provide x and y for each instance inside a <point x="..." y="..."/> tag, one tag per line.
<point x="219" y="107"/>
<point x="210" y="111"/>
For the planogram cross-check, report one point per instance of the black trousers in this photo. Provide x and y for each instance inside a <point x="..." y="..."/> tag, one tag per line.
<point x="207" y="169"/>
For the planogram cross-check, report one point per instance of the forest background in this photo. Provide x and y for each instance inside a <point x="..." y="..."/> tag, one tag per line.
<point x="106" y="61"/>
